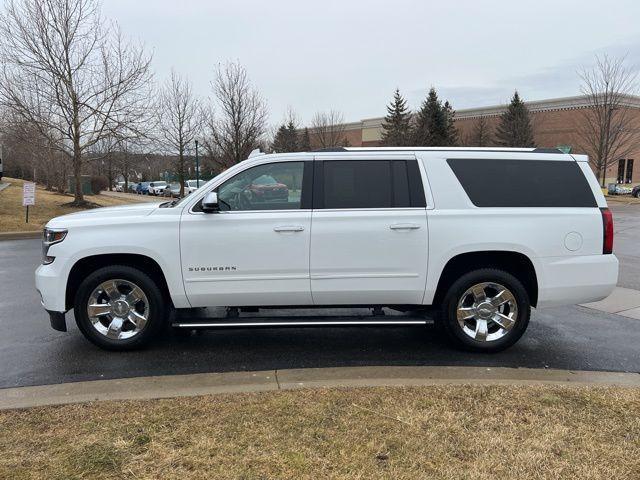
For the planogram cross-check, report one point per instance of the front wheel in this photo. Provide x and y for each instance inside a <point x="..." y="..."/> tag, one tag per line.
<point x="485" y="310"/>
<point x="119" y="308"/>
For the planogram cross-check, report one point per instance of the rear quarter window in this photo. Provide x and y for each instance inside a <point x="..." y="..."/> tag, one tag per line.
<point x="523" y="183"/>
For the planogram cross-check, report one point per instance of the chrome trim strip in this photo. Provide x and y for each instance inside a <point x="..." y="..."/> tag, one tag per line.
<point x="298" y="324"/>
<point x="247" y="278"/>
<point x="363" y="275"/>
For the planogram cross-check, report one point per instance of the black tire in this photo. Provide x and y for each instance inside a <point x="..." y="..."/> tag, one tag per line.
<point x="157" y="307"/>
<point x="448" y="320"/>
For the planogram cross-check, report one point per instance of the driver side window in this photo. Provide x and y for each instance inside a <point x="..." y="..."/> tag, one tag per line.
<point x="273" y="186"/>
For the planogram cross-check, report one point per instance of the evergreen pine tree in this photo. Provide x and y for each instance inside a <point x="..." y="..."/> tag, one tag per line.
<point x="291" y="137"/>
<point x="396" y="129"/>
<point x="304" y="142"/>
<point x="280" y="140"/>
<point x="435" y="123"/>
<point x="286" y="138"/>
<point x="451" y="132"/>
<point x="514" y="129"/>
<point x="423" y="135"/>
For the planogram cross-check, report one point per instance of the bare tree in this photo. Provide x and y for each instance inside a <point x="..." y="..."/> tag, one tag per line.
<point x="480" y="134"/>
<point x="605" y="128"/>
<point x="75" y="79"/>
<point x="29" y="155"/>
<point x="327" y="129"/>
<point x="180" y="120"/>
<point x="241" y="119"/>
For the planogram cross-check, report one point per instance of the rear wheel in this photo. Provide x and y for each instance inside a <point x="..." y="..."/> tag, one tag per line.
<point x="485" y="310"/>
<point x="119" y="308"/>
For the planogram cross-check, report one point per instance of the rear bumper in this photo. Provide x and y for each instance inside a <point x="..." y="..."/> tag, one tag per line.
<point x="578" y="279"/>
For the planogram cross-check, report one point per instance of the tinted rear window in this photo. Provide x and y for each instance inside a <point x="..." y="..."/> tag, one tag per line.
<point x="357" y="184"/>
<point x="368" y="184"/>
<point x="523" y="183"/>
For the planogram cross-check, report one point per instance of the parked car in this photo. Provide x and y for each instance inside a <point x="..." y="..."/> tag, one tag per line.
<point x="142" y="188"/>
<point x="473" y="238"/>
<point x="191" y="186"/>
<point x="133" y="187"/>
<point x="120" y="187"/>
<point x="619" y="189"/>
<point x="267" y="188"/>
<point x="172" y="190"/>
<point x="157" y="187"/>
<point x="636" y="191"/>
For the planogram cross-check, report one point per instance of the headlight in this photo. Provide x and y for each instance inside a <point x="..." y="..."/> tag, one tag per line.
<point x="51" y="236"/>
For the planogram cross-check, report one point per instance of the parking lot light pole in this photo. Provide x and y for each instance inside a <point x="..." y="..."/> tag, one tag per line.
<point x="197" y="167"/>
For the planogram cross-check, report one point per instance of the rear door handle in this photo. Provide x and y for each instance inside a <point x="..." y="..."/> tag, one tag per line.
<point x="288" y="228"/>
<point x="404" y="226"/>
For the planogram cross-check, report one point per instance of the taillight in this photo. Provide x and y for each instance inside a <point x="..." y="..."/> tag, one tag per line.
<point x="607" y="231"/>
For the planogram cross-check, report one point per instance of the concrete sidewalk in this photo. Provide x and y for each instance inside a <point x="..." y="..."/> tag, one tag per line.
<point x="623" y="301"/>
<point x="145" y="388"/>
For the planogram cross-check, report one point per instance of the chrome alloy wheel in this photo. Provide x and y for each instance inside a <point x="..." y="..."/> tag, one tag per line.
<point x="118" y="309"/>
<point x="487" y="311"/>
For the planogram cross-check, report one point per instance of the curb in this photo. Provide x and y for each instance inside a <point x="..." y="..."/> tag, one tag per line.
<point x="146" y="388"/>
<point x="20" y="235"/>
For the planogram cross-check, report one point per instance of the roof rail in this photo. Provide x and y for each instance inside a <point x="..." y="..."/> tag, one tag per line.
<point x="255" y="153"/>
<point x="547" y="150"/>
<point x="331" y="149"/>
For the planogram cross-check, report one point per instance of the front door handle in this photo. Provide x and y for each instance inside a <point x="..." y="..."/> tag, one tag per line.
<point x="288" y="228"/>
<point x="404" y="226"/>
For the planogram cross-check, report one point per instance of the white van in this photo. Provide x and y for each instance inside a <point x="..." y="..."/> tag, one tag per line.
<point x="472" y="238"/>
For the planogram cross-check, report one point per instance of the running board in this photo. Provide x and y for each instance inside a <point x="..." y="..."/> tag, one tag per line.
<point x="298" y="324"/>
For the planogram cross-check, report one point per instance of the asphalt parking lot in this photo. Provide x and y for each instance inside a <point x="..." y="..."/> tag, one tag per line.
<point x="574" y="338"/>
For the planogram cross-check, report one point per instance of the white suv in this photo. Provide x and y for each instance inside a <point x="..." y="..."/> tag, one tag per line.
<point x="191" y="186"/>
<point x="157" y="187"/>
<point x="472" y="238"/>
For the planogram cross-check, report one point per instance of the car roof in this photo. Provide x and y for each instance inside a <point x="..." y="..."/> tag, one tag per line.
<point x="400" y="150"/>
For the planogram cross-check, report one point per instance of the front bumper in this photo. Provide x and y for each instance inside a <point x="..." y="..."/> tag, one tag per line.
<point x="58" y="321"/>
<point x="53" y="293"/>
<point x="51" y="284"/>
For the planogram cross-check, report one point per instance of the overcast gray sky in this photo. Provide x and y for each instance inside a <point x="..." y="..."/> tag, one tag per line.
<point x="351" y="54"/>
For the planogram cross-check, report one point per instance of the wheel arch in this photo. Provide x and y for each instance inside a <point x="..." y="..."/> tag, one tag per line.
<point x="515" y="263"/>
<point x="86" y="265"/>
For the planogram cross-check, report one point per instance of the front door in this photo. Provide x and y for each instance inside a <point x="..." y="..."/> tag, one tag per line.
<point x="369" y="234"/>
<point x="255" y="251"/>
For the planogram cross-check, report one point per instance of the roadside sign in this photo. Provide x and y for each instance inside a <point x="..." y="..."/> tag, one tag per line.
<point x="28" y="197"/>
<point x="28" y="194"/>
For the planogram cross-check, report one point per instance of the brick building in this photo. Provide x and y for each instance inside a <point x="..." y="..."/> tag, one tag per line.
<point x="556" y="123"/>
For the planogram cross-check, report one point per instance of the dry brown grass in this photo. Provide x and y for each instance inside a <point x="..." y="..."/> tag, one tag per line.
<point x="453" y="432"/>
<point x="48" y="205"/>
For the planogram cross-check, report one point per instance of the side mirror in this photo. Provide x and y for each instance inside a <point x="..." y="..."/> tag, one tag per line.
<point x="210" y="203"/>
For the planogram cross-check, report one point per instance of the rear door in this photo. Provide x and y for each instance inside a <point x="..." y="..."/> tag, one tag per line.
<point x="369" y="230"/>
